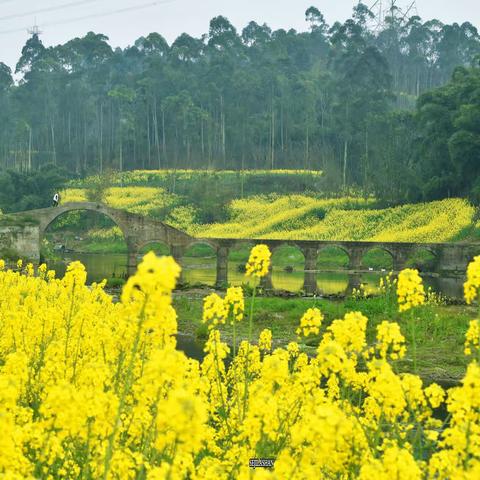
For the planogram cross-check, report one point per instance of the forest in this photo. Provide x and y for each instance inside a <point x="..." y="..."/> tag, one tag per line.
<point x="391" y="110"/>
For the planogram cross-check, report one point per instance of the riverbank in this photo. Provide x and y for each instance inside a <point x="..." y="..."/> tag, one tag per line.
<point x="440" y="329"/>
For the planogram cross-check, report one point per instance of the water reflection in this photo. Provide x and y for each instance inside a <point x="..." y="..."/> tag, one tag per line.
<point x="202" y="271"/>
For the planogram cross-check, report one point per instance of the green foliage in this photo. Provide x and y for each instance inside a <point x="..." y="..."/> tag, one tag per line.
<point x="24" y="191"/>
<point x="97" y="186"/>
<point x="447" y="121"/>
<point x="333" y="99"/>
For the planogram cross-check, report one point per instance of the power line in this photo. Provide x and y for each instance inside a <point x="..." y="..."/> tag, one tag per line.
<point x="77" y="3"/>
<point x="94" y="15"/>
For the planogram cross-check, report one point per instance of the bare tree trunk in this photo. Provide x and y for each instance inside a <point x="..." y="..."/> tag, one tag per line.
<point x="29" y="148"/>
<point x="85" y="141"/>
<point x="148" y="139"/>
<point x="272" y="146"/>
<point x="164" y="139"/>
<point x="53" y="142"/>
<point x="121" y="155"/>
<point x="345" y="157"/>
<point x="155" y="125"/>
<point x="101" y="138"/>
<point x="307" y="146"/>
<point x="202" y="139"/>
<point x="365" y="169"/>
<point x="222" y="131"/>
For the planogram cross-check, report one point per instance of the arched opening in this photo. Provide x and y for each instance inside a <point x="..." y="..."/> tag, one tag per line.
<point x="423" y="259"/>
<point x="288" y="265"/>
<point x="237" y="259"/>
<point x="332" y="258"/>
<point x="377" y="259"/>
<point x="199" y="264"/>
<point x="88" y="236"/>
<point x="158" y="247"/>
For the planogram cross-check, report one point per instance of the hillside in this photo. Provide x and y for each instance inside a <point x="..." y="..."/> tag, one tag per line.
<point x="208" y="205"/>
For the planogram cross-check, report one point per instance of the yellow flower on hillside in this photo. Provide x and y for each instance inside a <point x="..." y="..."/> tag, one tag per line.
<point x="259" y="261"/>
<point x="410" y="291"/>
<point x="472" y="284"/>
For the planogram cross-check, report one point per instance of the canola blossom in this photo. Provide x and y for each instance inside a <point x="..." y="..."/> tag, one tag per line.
<point x="410" y="290"/>
<point x="258" y="262"/>
<point x="91" y="388"/>
<point x="286" y="217"/>
<point x="472" y="284"/>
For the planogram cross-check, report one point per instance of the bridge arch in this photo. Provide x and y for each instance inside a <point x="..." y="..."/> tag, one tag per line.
<point x="331" y="256"/>
<point x="379" y="256"/>
<point x="53" y="214"/>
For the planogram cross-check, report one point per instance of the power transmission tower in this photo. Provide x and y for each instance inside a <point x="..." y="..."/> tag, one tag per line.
<point x="387" y="11"/>
<point x="35" y="30"/>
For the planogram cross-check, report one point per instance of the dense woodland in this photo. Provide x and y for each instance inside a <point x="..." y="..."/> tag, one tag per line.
<point x="359" y="102"/>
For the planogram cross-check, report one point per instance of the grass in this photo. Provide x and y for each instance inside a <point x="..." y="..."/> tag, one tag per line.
<point x="440" y="329"/>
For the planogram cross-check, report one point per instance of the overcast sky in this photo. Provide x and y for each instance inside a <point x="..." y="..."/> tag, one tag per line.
<point x="123" y="21"/>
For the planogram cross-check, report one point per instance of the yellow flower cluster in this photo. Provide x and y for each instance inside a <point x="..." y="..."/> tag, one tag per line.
<point x="296" y="217"/>
<point x="259" y="261"/>
<point x="472" y="284"/>
<point x="410" y="291"/>
<point x="92" y="388"/>
<point x="216" y="309"/>
<point x="310" y="322"/>
<point x="235" y="302"/>
<point x="472" y="338"/>
<point x="265" y="340"/>
<point x="390" y="341"/>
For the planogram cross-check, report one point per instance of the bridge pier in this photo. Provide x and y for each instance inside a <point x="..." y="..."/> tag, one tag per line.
<point x="400" y="258"/>
<point x="177" y="252"/>
<point x="354" y="282"/>
<point x="356" y="255"/>
<point x="132" y="262"/>
<point x="310" y="274"/>
<point x="222" y="267"/>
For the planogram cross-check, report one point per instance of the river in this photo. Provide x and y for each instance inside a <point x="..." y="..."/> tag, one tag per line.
<point x="202" y="271"/>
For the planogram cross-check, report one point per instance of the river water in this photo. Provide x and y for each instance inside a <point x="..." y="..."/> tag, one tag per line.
<point x="202" y="271"/>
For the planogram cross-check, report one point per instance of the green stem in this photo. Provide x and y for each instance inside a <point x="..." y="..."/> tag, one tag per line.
<point x="414" y="342"/>
<point x="250" y="327"/>
<point x="234" y="337"/>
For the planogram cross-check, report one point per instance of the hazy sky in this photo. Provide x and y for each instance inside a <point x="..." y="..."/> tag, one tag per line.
<point x="123" y="21"/>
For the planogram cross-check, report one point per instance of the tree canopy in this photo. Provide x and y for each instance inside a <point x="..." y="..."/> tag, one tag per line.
<point x="337" y="98"/>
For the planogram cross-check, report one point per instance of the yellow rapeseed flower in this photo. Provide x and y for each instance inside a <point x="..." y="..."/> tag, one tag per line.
<point x="472" y="337"/>
<point x="215" y="310"/>
<point x="265" y="340"/>
<point x="310" y="322"/>
<point x="259" y="261"/>
<point x="235" y="302"/>
<point x="410" y="291"/>
<point x="472" y="284"/>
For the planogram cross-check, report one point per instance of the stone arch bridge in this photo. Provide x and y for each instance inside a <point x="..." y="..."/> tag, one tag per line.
<point x="28" y="229"/>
